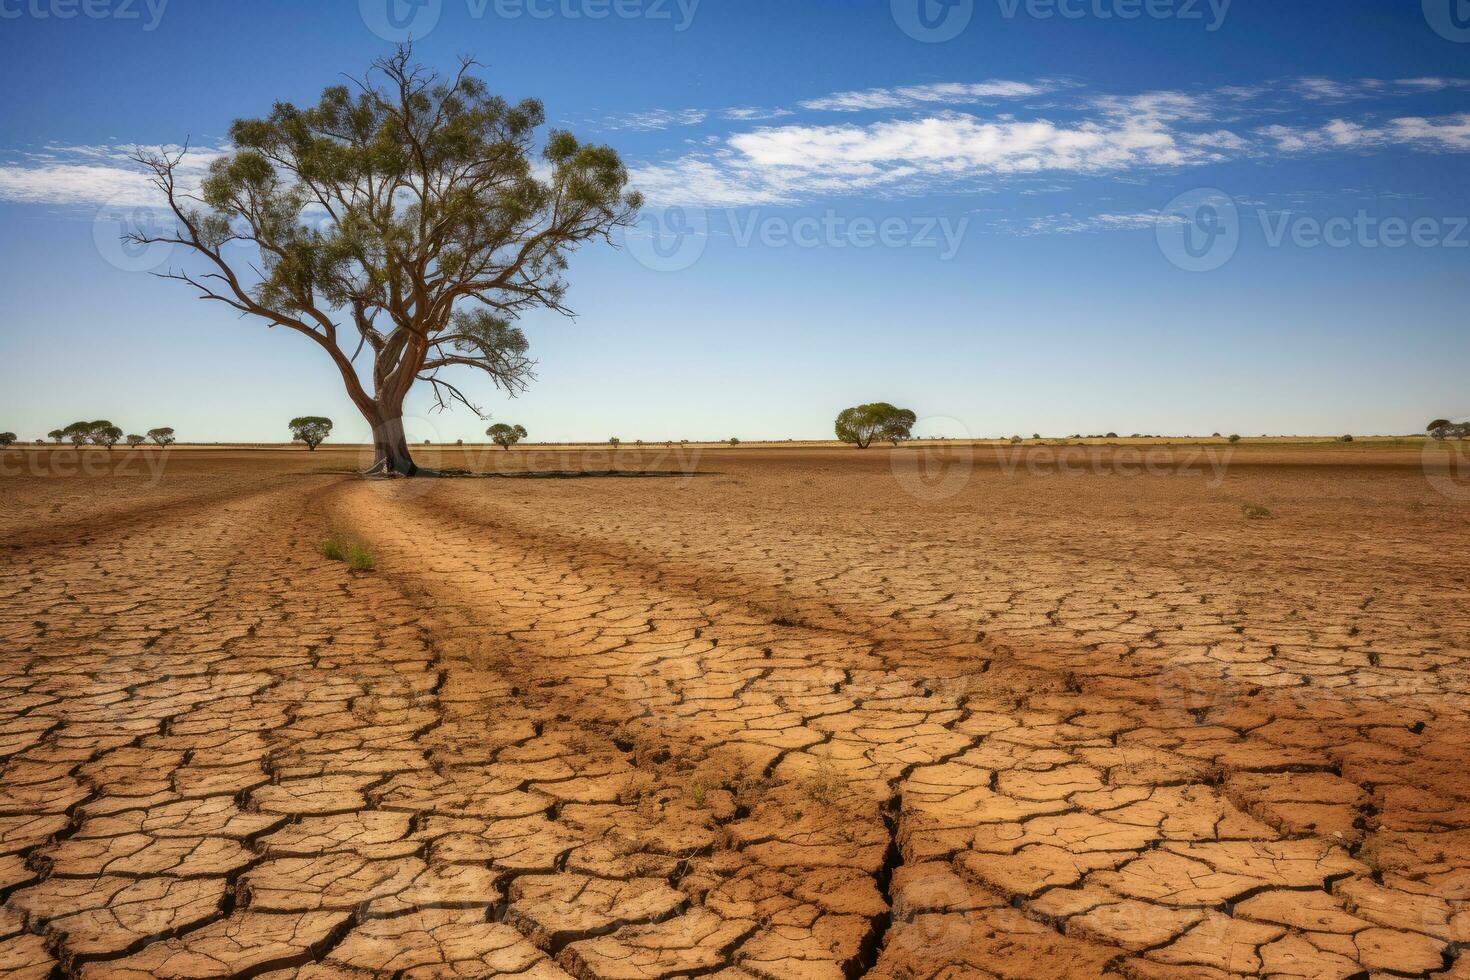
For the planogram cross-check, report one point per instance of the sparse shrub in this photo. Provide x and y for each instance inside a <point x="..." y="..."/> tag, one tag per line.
<point x="614" y="441"/>
<point x="827" y="784"/>
<point x="860" y="425"/>
<point x="339" y="546"/>
<point x="697" y="794"/>
<point x="1255" y="512"/>
<point x="1036" y="436"/>
<point x="163" y="435"/>
<point x="1214" y="435"/>
<point x="1234" y="439"/>
<point x="1015" y="440"/>
<point x="136" y="440"/>
<point x="1345" y="439"/>
<point x="310" y="429"/>
<point x="734" y="441"/>
<point x="1111" y="435"/>
<point x="504" y="435"/>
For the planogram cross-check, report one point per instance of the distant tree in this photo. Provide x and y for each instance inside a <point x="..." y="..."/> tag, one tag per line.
<point x="136" y="440"/>
<point x="164" y="436"/>
<point x="56" y="435"/>
<point x="310" y="429"/>
<point x="505" y="436"/>
<point x="860" y="425"/>
<point x="1234" y="439"/>
<point x="7" y="439"/>
<point x="411" y="209"/>
<point x="1015" y="440"/>
<point x="1346" y="439"/>
<point x="734" y="441"/>
<point x="614" y="442"/>
<point x="1111" y="435"/>
<point x="80" y="433"/>
<point x="638" y="442"/>
<point x="1036" y="436"/>
<point x="104" y="433"/>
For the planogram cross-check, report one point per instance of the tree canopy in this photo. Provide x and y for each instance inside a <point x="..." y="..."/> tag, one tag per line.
<point x="7" y="439"/>
<point x="860" y="425"/>
<point x="104" y="433"/>
<point x="408" y="209"/>
<point x="504" y="435"/>
<point x="163" y="435"/>
<point x="310" y="429"/>
<point x="136" y="440"/>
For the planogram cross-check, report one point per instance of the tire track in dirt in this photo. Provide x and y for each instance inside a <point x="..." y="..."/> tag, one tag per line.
<point x="1085" y="834"/>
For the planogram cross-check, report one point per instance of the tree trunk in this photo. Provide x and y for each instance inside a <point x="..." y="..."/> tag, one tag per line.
<point x="390" y="449"/>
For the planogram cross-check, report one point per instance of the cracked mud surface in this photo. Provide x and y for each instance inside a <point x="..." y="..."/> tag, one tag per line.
<point x="781" y="719"/>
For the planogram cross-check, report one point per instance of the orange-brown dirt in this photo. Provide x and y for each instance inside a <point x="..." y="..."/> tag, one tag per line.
<point x="783" y="713"/>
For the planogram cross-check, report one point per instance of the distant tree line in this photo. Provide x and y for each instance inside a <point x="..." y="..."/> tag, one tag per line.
<point x="103" y="433"/>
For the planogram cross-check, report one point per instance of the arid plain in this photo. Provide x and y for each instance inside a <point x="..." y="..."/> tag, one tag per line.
<point x="780" y="713"/>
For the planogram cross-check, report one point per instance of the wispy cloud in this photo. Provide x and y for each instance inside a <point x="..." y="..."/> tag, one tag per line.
<point x="945" y="93"/>
<point x="654" y="119"/>
<point x="94" y="176"/>
<point x="1439" y="134"/>
<point x="1069" y="224"/>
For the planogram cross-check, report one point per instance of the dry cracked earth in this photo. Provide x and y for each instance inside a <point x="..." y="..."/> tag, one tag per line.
<point x="785" y="714"/>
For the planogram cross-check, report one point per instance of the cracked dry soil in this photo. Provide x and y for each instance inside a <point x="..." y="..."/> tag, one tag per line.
<point x="782" y="719"/>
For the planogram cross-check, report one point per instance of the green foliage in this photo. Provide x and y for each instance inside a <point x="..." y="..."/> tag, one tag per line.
<point x="409" y="207"/>
<point x="7" y="439"/>
<point x="504" y="435"/>
<point x="163" y="436"/>
<point x="860" y="425"/>
<point x="56" y="435"/>
<point x="104" y="433"/>
<point x="614" y="442"/>
<point x="135" y="440"/>
<point x="79" y="433"/>
<point x="1442" y="429"/>
<point x="1345" y="439"/>
<point x="1234" y="439"/>
<point x="734" y="441"/>
<point x="343" y="547"/>
<point x="310" y="429"/>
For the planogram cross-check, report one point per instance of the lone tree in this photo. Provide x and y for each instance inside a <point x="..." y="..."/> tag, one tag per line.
<point x="860" y="425"/>
<point x="136" y="440"/>
<point x="310" y="429"/>
<point x="56" y="436"/>
<point x="164" y="436"/>
<point x="7" y="439"/>
<point x="408" y="209"/>
<point x="614" y="441"/>
<point x="504" y="435"/>
<point x="104" y="433"/>
<point x="78" y="432"/>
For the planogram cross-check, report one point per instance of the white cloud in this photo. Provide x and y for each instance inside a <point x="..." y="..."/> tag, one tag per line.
<point x="654" y="119"/>
<point x="1068" y="224"/>
<point x="790" y="163"/>
<point x="1449" y="134"/>
<point x="93" y="176"/>
<point x="946" y="93"/>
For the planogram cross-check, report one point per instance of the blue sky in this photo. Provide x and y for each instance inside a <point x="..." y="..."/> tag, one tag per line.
<point x="1232" y="217"/>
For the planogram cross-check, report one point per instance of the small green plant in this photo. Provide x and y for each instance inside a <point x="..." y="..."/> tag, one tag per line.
<point x="1255" y="512"/>
<point x="338" y="546"/>
<point x="696" y="792"/>
<point x="360" y="559"/>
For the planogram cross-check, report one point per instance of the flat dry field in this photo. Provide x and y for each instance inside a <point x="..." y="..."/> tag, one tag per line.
<point x="763" y="713"/>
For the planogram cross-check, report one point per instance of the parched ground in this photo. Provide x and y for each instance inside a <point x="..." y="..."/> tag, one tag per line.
<point x="766" y="713"/>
